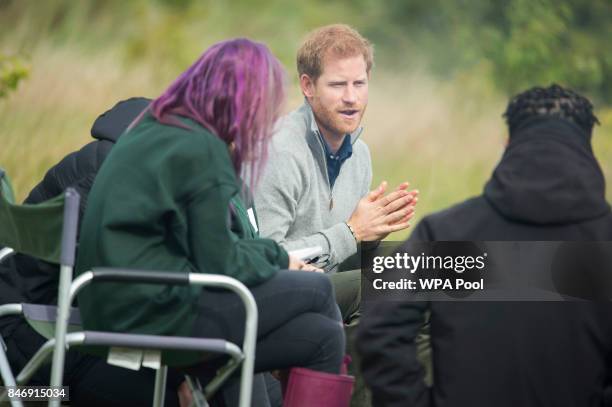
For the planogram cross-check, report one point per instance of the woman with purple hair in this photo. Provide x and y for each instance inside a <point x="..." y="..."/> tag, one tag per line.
<point x="166" y="199"/>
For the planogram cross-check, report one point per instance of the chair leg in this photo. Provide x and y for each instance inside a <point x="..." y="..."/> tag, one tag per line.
<point x="61" y="327"/>
<point x="160" y="386"/>
<point x="7" y="377"/>
<point x="246" y="379"/>
<point x="197" y="394"/>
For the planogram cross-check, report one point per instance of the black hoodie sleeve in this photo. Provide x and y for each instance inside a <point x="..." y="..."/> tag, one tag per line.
<point x="76" y="170"/>
<point x="112" y="123"/>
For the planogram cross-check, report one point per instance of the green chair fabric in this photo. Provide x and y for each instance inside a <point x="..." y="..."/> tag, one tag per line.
<point x="46" y="231"/>
<point x="42" y="318"/>
<point x="46" y="218"/>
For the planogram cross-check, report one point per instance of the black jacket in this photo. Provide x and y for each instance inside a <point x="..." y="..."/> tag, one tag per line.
<point x="547" y="186"/>
<point x="36" y="281"/>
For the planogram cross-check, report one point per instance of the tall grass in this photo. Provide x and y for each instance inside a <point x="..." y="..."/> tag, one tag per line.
<point x="51" y="113"/>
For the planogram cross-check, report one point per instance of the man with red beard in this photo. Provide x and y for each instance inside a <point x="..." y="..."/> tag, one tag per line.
<point x="315" y="188"/>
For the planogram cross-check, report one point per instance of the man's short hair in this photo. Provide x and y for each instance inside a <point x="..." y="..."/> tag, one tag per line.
<point x="337" y="40"/>
<point x="554" y="101"/>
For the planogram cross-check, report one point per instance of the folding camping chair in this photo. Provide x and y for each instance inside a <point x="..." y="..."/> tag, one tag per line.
<point x="48" y="231"/>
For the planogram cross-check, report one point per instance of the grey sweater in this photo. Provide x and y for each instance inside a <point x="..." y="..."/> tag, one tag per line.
<point x="294" y="201"/>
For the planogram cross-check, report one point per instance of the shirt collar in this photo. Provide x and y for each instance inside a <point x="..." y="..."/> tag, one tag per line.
<point x="344" y="152"/>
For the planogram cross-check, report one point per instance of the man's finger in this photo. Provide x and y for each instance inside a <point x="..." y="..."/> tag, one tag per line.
<point x="405" y="218"/>
<point x="403" y="186"/>
<point x="399" y="226"/>
<point x="414" y="195"/>
<point x="396" y="216"/>
<point x="391" y="197"/>
<point x="378" y="192"/>
<point x="399" y="204"/>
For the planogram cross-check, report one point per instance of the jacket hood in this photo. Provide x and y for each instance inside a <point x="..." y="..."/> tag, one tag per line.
<point x="548" y="175"/>
<point x="112" y="123"/>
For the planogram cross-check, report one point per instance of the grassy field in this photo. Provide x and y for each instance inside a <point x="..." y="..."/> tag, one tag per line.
<point x="442" y="136"/>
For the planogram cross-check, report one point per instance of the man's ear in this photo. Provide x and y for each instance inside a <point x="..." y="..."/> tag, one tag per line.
<point x="307" y="85"/>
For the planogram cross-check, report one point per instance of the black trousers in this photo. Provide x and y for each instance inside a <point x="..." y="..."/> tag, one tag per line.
<point x="299" y="326"/>
<point x="299" y="322"/>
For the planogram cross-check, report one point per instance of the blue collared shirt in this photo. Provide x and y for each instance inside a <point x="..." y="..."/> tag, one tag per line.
<point x="335" y="161"/>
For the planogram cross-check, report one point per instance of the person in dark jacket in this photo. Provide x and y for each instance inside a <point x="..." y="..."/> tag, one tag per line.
<point x="92" y="381"/>
<point x="38" y="280"/>
<point x="547" y="186"/>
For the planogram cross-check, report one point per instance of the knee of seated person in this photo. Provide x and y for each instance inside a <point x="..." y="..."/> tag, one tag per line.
<point x="325" y="285"/>
<point x="319" y="282"/>
<point x="329" y="346"/>
<point x="333" y="334"/>
<point x="334" y="339"/>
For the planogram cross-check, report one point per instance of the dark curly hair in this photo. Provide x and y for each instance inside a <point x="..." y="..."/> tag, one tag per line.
<point x="554" y="101"/>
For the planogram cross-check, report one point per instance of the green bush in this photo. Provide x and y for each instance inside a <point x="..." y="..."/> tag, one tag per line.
<point x="12" y="71"/>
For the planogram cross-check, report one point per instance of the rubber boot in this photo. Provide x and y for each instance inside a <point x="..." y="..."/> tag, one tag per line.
<point x="310" y="388"/>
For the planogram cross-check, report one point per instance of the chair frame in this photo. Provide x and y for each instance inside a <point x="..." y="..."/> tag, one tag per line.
<point x="69" y="288"/>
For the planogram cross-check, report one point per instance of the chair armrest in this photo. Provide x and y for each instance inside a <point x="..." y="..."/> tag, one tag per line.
<point x="140" y="276"/>
<point x="158" y="277"/>
<point x="5" y="253"/>
<point x="70" y="226"/>
<point x="200" y="279"/>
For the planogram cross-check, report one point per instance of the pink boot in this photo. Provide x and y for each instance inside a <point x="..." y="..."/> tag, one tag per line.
<point x="310" y="388"/>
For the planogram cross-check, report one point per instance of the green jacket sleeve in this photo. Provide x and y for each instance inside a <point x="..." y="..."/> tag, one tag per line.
<point x="216" y="249"/>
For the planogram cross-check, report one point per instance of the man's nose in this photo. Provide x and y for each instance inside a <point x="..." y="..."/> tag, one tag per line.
<point x="350" y="95"/>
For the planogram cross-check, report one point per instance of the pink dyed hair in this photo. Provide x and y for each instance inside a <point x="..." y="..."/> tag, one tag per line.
<point x="236" y="90"/>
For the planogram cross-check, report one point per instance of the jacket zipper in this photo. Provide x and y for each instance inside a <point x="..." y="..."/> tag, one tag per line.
<point x="329" y="185"/>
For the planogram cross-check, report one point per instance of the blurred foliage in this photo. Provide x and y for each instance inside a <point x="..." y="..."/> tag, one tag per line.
<point x="522" y="42"/>
<point x="12" y="71"/>
<point x="514" y="43"/>
<point x="167" y="33"/>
